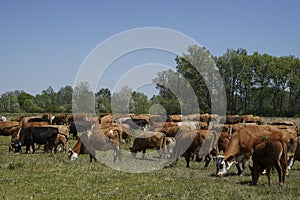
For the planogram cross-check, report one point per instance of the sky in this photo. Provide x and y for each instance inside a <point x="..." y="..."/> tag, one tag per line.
<point x="44" y="43"/>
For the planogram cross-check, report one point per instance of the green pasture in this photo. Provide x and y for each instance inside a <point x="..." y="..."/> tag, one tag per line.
<point x="53" y="176"/>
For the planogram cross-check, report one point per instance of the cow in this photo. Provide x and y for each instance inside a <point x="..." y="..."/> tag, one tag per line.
<point x="61" y="139"/>
<point x="223" y="141"/>
<point x="39" y="135"/>
<point x="172" y="131"/>
<point x="106" y="118"/>
<point x="250" y="119"/>
<point x="97" y="139"/>
<point x="232" y="119"/>
<point x="79" y="126"/>
<point x="268" y="154"/>
<point x="175" y="118"/>
<point x="60" y="119"/>
<point x="242" y="144"/>
<point x="148" y="140"/>
<point x="136" y="124"/>
<point x="190" y="143"/>
<point x="10" y="128"/>
<point x="296" y="156"/>
<point x="6" y="127"/>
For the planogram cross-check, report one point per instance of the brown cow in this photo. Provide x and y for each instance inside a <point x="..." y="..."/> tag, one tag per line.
<point x="296" y="156"/>
<point x="268" y="154"/>
<point x="149" y="140"/>
<point x="241" y="146"/>
<point x="175" y="118"/>
<point x="10" y="128"/>
<point x="96" y="139"/>
<point x="190" y="143"/>
<point x="223" y="141"/>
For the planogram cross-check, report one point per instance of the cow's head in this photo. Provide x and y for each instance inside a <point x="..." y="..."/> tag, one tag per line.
<point x="72" y="155"/>
<point x="223" y="165"/>
<point x="17" y="146"/>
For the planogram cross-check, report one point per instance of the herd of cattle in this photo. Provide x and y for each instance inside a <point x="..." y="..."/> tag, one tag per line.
<point x="232" y="139"/>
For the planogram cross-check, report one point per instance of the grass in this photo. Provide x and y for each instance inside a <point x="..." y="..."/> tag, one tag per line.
<point x="53" y="176"/>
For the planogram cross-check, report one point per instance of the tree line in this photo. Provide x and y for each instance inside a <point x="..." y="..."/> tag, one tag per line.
<point x="256" y="83"/>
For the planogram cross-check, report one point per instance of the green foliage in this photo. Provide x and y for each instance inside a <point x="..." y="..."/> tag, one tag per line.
<point x="260" y="84"/>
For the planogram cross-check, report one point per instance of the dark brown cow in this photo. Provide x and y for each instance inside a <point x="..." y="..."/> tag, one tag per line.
<point x="233" y="119"/>
<point x="242" y="143"/>
<point x="223" y="141"/>
<point x="268" y="154"/>
<point x="148" y="140"/>
<point x="60" y="119"/>
<point x="190" y="143"/>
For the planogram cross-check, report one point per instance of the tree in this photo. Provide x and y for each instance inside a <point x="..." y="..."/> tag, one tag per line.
<point x="139" y="103"/>
<point x="64" y="99"/>
<point x="10" y="102"/>
<point x="103" y="99"/>
<point x="121" y="100"/>
<point x="83" y="99"/>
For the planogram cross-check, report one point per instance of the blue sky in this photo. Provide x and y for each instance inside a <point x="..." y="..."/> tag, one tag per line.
<point x="43" y="43"/>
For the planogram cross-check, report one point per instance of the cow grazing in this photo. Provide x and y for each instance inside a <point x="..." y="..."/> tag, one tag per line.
<point x="148" y="140"/>
<point x="190" y="143"/>
<point x="97" y="140"/>
<point x="39" y="135"/>
<point x="268" y="154"/>
<point x="241" y="146"/>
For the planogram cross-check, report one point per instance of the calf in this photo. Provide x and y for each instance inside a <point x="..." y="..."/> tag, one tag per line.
<point x="148" y="140"/>
<point x="271" y="153"/>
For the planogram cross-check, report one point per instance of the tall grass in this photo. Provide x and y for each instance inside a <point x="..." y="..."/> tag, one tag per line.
<point x="53" y="176"/>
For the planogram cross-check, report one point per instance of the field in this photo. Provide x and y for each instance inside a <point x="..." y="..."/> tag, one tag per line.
<point x="53" y="176"/>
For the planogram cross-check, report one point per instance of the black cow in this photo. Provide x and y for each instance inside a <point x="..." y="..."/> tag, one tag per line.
<point x="79" y="126"/>
<point x="39" y="135"/>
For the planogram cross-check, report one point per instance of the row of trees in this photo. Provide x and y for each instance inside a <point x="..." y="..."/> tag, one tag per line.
<point x="260" y="84"/>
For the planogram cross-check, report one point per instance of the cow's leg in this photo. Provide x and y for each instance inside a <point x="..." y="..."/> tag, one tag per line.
<point x="143" y="154"/>
<point x="269" y="176"/>
<point x="187" y="157"/>
<point x="92" y="158"/>
<point x="279" y="171"/>
<point x="238" y="168"/>
<point x="255" y="174"/>
<point x="207" y="161"/>
<point x="27" y="148"/>
<point x="33" y="148"/>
